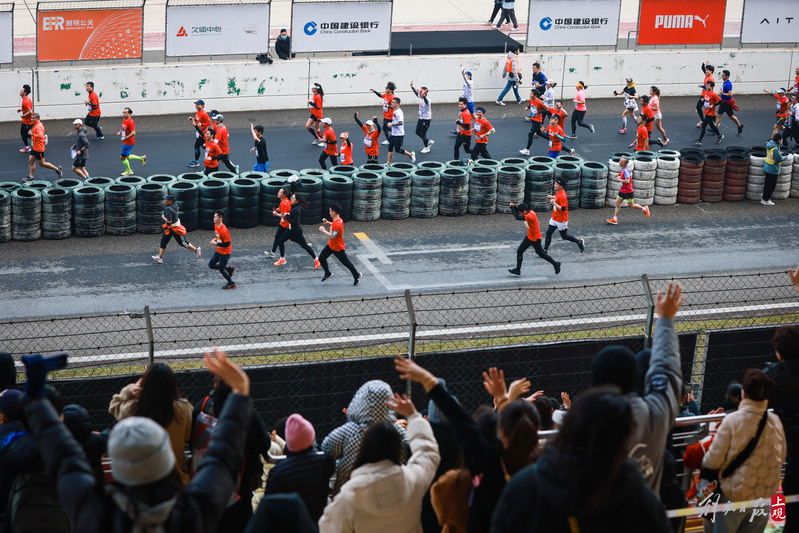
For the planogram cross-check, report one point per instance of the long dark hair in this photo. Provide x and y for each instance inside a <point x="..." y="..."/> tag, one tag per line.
<point x="159" y="391"/>
<point x="381" y="442"/>
<point x="319" y="90"/>
<point x="301" y="200"/>
<point x="519" y="422"/>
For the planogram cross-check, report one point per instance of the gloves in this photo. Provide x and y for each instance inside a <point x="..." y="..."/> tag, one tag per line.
<point x="36" y="372"/>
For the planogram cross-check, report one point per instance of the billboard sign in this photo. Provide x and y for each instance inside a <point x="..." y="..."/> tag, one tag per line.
<point x="89" y="34"/>
<point x="6" y="37"/>
<point x="555" y="22"/>
<point x="210" y="30"/>
<point x="681" y="22"/>
<point x="340" y="26"/>
<point x="770" y="21"/>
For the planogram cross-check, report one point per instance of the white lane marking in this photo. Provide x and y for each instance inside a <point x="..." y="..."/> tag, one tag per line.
<point x="372" y="247"/>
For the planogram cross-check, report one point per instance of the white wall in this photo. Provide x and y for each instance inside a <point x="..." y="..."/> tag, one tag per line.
<point x="241" y="86"/>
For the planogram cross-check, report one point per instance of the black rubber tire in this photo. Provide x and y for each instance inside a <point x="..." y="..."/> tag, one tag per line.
<point x="150" y="192"/>
<point x="100" y="181"/>
<point x="337" y="195"/>
<point x="377" y="168"/>
<point x="244" y="217"/>
<point x="213" y="203"/>
<point x="244" y="187"/>
<point x="311" y="184"/>
<point x="404" y="166"/>
<point x="222" y="175"/>
<point x="26" y="197"/>
<point x="424" y="177"/>
<point x="338" y="182"/>
<point x="244" y="201"/>
<point x="57" y="196"/>
<point x="214" y="188"/>
<point x="192" y="177"/>
<point x="184" y="190"/>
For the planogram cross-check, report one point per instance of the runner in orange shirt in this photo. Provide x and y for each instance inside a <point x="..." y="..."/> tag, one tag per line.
<point x="315" y="103"/>
<point x="533" y="238"/>
<point x="92" y="119"/>
<point x="556" y="135"/>
<point x="783" y="105"/>
<point x="711" y="101"/>
<point x="707" y="71"/>
<point x="649" y="119"/>
<point x="795" y="86"/>
<point x="128" y="136"/>
<point x="283" y="227"/>
<point x="219" y="261"/>
<point x="38" y="143"/>
<point x="537" y="110"/>
<point x="464" y="124"/>
<point x="560" y="217"/>
<point x="482" y="129"/>
<point x="388" y="112"/>
<point x="25" y="110"/>
<point x="212" y="152"/>
<point x="371" y="138"/>
<point x="345" y="152"/>
<point x="335" y="246"/>
<point x="201" y="122"/>
<point x="222" y="135"/>
<point x="330" y="143"/>
<point x="641" y="141"/>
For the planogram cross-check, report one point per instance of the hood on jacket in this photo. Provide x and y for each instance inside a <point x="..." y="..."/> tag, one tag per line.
<point x="377" y="488"/>
<point x="369" y="404"/>
<point x="771" y="144"/>
<point x="76" y="418"/>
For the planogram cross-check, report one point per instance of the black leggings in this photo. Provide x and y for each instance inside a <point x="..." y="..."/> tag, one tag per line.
<point x="323" y="158"/>
<point x="700" y="108"/>
<point x="341" y="255"/>
<point x="497" y="8"/>
<point x="526" y="243"/>
<point x="421" y="129"/>
<point x="225" y="158"/>
<point x="299" y="238"/>
<point x="181" y="240"/>
<point x="94" y="123"/>
<point x="654" y="141"/>
<point x="219" y="262"/>
<point x="709" y="121"/>
<point x="535" y="129"/>
<point x="577" y="120"/>
<point x="386" y="128"/>
<point x="465" y="141"/>
<point x="23" y="132"/>
<point x="769" y="185"/>
<point x="371" y="159"/>
<point x="564" y="234"/>
<point x="480" y="149"/>
<point x="198" y="146"/>
<point x="279" y="241"/>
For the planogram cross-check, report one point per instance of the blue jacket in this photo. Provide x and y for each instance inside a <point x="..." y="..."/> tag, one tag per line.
<point x="773" y="158"/>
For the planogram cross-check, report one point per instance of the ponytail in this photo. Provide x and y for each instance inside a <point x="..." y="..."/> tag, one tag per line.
<point x="583" y="85"/>
<point x="519" y="422"/>
<point x="656" y="91"/>
<point x="301" y="201"/>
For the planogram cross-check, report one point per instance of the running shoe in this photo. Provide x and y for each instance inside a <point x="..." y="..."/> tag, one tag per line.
<point x="99" y="137"/>
<point x="740" y="129"/>
<point x="718" y="141"/>
<point x="281" y="261"/>
<point x="425" y="150"/>
<point x="766" y="202"/>
<point x="144" y="160"/>
<point x="269" y="253"/>
<point x="592" y="128"/>
<point x="613" y="221"/>
<point x="581" y="244"/>
<point x="357" y="278"/>
<point x="520" y="101"/>
<point x="413" y="157"/>
<point x="193" y="164"/>
<point x="528" y="119"/>
<point x="158" y="259"/>
<point x="454" y="132"/>
<point x="430" y="142"/>
<point x="646" y="211"/>
<point x="198" y="251"/>
<point x="384" y="142"/>
<point x="557" y="267"/>
<point x="623" y="131"/>
<point x="698" y="142"/>
<point x="60" y="171"/>
<point x="572" y="136"/>
<point x="316" y="263"/>
<point x="571" y="151"/>
<point x="499" y="102"/>
<point x="25" y="149"/>
<point x="698" y="124"/>
<point x="229" y="286"/>
<point x="524" y="151"/>
<point x="237" y="170"/>
<point x="314" y="142"/>
<point x="26" y="180"/>
<point x="231" y="270"/>
<point x="515" y="271"/>
<point x="326" y="277"/>
<point x="664" y="141"/>
<point x="126" y="173"/>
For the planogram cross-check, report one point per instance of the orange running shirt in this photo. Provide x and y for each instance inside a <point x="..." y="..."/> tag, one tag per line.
<point x="710" y="100"/>
<point x="27" y="105"/>
<point x="37" y="137"/>
<point x="481" y="126"/>
<point x="533" y="231"/>
<point x="285" y="209"/>
<point x="221" y="233"/>
<point x="782" y="105"/>
<point x="317" y="111"/>
<point x="465" y="118"/>
<point x="212" y="150"/>
<point x="554" y="141"/>
<point x="337" y="243"/>
<point x="388" y="112"/>
<point x="371" y="141"/>
<point x="202" y="117"/>
<point x="128" y="127"/>
<point x="331" y="146"/>
<point x="541" y="107"/>
<point x="562" y="201"/>
<point x="345" y="153"/>
<point x="94" y="104"/>
<point x="648" y="114"/>
<point x="642" y="138"/>
<point x="221" y="137"/>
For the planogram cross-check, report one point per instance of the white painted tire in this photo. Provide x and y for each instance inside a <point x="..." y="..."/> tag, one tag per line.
<point x="665" y="200"/>
<point x="668" y="164"/>
<point x="757" y="180"/>
<point x="782" y="187"/>
<point x="666" y="182"/>
<point x="780" y="195"/>
<point x="751" y="195"/>
<point x="665" y="191"/>
<point x="755" y="171"/>
<point x="645" y="201"/>
<point x="756" y="160"/>
<point x="667" y="173"/>
<point x="644" y="164"/>
<point x="754" y="187"/>
<point x="647" y="175"/>
<point x="794" y="193"/>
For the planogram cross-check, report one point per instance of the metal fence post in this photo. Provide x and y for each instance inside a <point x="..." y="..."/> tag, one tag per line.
<point x="411" y="334"/>
<point x="650" y="312"/>
<point x="150" y="340"/>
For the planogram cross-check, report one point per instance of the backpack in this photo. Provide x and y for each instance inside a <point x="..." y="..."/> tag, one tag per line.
<point x="33" y="506"/>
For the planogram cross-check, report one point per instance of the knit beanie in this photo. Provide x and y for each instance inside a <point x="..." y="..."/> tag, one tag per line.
<point x="140" y="452"/>
<point x="300" y="434"/>
<point x="9" y="403"/>
<point x="615" y="365"/>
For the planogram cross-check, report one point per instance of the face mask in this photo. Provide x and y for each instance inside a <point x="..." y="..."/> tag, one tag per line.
<point x="284" y="36"/>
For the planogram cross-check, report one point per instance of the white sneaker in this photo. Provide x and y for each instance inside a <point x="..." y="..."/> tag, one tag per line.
<point x="767" y="202"/>
<point x="499" y="102"/>
<point x="425" y="150"/>
<point x="524" y="151"/>
<point x="430" y="142"/>
<point x="413" y="157"/>
<point x="384" y="142"/>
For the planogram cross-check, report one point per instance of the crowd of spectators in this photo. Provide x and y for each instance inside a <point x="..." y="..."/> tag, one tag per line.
<point x="611" y="466"/>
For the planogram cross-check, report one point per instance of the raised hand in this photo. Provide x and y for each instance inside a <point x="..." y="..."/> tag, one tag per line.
<point x="401" y="405"/>
<point x="517" y="388"/>
<point x="219" y="365"/>
<point x="668" y="304"/>
<point x="494" y="382"/>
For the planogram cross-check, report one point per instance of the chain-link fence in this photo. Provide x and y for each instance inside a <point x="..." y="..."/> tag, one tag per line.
<point x="311" y="357"/>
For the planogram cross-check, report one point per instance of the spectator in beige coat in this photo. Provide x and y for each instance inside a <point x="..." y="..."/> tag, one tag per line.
<point x="759" y="475"/>
<point x="156" y="396"/>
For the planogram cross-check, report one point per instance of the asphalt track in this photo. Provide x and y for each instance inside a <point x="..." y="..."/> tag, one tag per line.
<point x="112" y="274"/>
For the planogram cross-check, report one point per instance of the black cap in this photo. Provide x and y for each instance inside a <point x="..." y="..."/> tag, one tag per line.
<point x="169" y="197"/>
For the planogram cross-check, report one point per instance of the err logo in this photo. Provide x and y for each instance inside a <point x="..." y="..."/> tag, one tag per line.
<point x="679" y="21"/>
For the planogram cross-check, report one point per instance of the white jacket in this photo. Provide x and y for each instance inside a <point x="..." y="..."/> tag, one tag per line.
<point x="384" y="497"/>
<point x="759" y="475"/>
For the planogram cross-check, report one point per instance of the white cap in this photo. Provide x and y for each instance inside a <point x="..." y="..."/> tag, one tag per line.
<point x="326" y="120"/>
<point x="77" y="121"/>
<point x="369" y="123"/>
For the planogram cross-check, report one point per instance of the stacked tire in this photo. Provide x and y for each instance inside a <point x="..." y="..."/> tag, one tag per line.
<point x="99" y="181"/>
<point x="436" y="166"/>
<point x="514" y="161"/>
<point x="337" y="188"/>
<point x="542" y="160"/>
<point x="187" y="196"/>
<point x="367" y="195"/>
<point x="378" y="168"/>
<point x="510" y="186"/>
<point x="214" y="196"/>
<point x="571" y="173"/>
<point x="783" y="188"/>
<point x="404" y="166"/>
<point x="89" y="216"/>
<point x="482" y="190"/>
<point x="9" y="186"/>
<point x="149" y="207"/>
<point x="667" y="178"/>
<point x="538" y="184"/>
<point x="194" y="177"/>
<point x="5" y="216"/>
<point x="593" y="184"/>
<point x="244" y="203"/>
<point x="26" y="214"/>
<point x="454" y="197"/>
<point x="795" y="178"/>
<point x="344" y="170"/>
<point x="120" y="209"/>
<point x="163" y="179"/>
<point x="689" y="180"/>
<point x="288" y="177"/>
<point x="56" y="213"/>
<point x="712" y="188"/>
<point x="490" y="163"/>
<point x="756" y="178"/>
<point x="39" y="185"/>
<point x="269" y="200"/>
<point x="644" y="174"/>
<point x="735" y="174"/>
<point x="312" y="187"/>
<point x="396" y="198"/>
<point x="425" y="193"/>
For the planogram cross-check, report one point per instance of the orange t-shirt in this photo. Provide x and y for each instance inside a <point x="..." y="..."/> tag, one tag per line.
<point x="388" y="112"/>
<point x="221" y="136"/>
<point x="221" y="233"/>
<point x="317" y="101"/>
<point x="533" y="231"/>
<point x="94" y="104"/>
<point x="481" y="126"/>
<point x="202" y="117"/>
<point x="648" y="114"/>
<point x="465" y="118"/>
<point x="710" y="100"/>
<point x="554" y="141"/>
<point x="540" y="106"/>
<point x="345" y="153"/>
<point x="212" y="150"/>
<point x="560" y="113"/>
<point x="708" y="77"/>
<point x="783" y="103"/>
<point x="37" y="136"/>
<point x="337" y="243"/>
<point x="642" y="138"/>
<point x="285" y="209"/>
<point x="128" y="127"/>
<point x="562" y="201"/>
<point x="331" y="146"/>
<point x="371" y="141"/>
<point x="27" y="105"/>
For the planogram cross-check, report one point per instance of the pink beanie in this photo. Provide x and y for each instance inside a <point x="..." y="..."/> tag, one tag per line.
<point x="300" y="433"/>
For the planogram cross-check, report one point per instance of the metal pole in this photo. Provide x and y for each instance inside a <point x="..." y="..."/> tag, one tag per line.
<point x="411" y="334"/>
<point x="650" y="313"/>
<point x="150" y="340"/>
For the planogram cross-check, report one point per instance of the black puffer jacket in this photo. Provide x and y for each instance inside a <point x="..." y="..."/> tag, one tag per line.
<point x="19" y="453"/>
<point x="94" y="444"/>
<point x="308" y="474"/>
<point x="784" y="399"/>
<point x="197" y="510"/>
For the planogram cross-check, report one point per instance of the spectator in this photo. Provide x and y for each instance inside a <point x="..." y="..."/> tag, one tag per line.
<point x="238" y="514"/>
<point x="747" y="473"/>
<point x="784" y="400"/>
<point x="545" y="409"/>
<point x="733" y="397"/>
<point x="491" y="456"/>
<point x="147" y="494"/>
<point x="654" y="412"/>
<point x="508" y="14"/>
<point x="584" y="481"/>
<point x="94" y="444"/>
<point x="8" y="372"/>
<point x="495" y="11"/>
<point x="283" y="45"/>
<point x="156" y="396"/>
<point x="382" y="494"/>
<point x="19" y="452"/>
<point x="794" y="277"/>
<point x="282" y="513"/>
<point x="303" y="471"/>
<point x="367" y="407"/>
<point x="512" y="72"/>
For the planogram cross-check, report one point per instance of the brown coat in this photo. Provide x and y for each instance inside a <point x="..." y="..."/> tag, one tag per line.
<point x="449" y="496"/>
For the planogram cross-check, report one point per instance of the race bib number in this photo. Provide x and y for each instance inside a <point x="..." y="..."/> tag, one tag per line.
<point x="707" y="103"/>
<point x="342" y="157"/>
<point x="196" y="134"/>
<point x="122" y="136"/>
<point x="550" y="145"/>
<point x="367" y="141"/>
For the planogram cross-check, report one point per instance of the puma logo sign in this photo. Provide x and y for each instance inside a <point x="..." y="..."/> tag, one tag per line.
<point x="679" y="21"/>
<point x="702" y="20"/>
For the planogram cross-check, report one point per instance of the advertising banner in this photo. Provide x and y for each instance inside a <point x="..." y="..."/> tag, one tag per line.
<point x="6" y="37"/>
<point x="209" y="30"/>
<point x="89" y="34"/>
<point x="770" y="21"/>
<point x="573" y="22"/>
<point x="681" y="22"/>
<point x="340" y="26"/>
